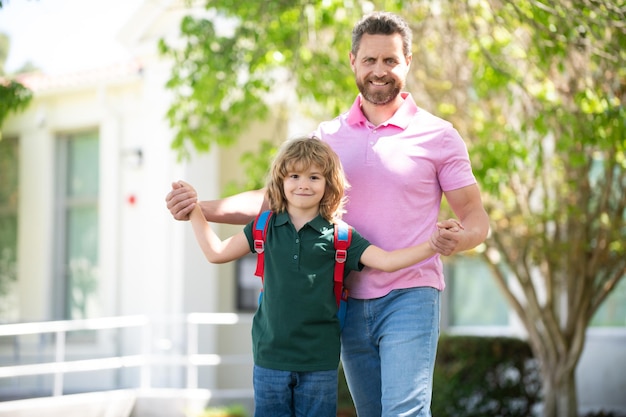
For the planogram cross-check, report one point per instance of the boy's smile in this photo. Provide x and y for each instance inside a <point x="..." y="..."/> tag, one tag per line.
<point x="304" y="188"/>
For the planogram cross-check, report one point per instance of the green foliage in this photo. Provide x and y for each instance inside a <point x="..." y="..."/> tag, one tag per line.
<point x="9" y="154"/>
<point x="255" y="166"/>
<point x="544" y="103"/>
<point x="13" y="97"/>
<point x="250" y="59"/>
<point x="536" y="88"/>
<point x="482" y="376"/>
<point x="549" y="136"/>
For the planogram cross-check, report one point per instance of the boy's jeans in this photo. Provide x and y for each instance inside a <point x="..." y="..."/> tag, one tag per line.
<point x="294" y="394"/>
<point x="388" y="352"/>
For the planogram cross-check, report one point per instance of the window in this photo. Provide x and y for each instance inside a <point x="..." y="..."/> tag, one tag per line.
<point x="613" y="311"/>
<point x="248" y="284"/>
<point x="474" y="298"/>
<point x="9" y="157"/>
<point x="77" y="226"/>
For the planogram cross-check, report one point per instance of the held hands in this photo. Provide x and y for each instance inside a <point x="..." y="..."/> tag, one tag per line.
<point x="445" y="240"/>
<point x="181" y="200"/>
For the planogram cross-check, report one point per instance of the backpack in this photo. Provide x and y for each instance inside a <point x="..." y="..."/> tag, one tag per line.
<point x="342" y="239"/>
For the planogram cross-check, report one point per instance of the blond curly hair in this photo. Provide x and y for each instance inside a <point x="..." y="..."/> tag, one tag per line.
<point x="300" y="154"/>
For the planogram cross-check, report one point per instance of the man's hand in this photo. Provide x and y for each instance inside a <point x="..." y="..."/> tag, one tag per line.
<point x="181" y="200"/>
<point x="445" y="240"/>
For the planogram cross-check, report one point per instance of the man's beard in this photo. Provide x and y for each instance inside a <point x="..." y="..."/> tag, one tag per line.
<point x="379" y="97"/>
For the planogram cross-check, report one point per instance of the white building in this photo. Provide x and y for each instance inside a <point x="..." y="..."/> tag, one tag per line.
<point x="92" y="164"/>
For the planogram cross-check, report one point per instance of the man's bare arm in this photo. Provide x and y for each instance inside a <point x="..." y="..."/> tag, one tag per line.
<point x="238" y="209"/>
<point x="467" y="204"/>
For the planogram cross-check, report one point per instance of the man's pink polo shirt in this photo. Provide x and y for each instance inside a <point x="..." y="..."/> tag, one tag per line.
<point x="398" y="171"/>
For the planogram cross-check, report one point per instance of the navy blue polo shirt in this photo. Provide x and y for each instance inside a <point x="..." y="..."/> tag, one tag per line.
<point x="296" y="327"/>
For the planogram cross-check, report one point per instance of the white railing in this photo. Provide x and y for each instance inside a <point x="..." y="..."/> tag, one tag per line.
<point x="192" y="360"/>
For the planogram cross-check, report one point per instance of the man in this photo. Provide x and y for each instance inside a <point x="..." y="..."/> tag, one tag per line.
<point x="399" y="160"/>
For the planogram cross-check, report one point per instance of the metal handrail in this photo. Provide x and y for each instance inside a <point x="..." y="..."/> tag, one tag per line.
<point x="59" y="367"/>
<point x="19" y="329"/>
<point x="194" y="359"/>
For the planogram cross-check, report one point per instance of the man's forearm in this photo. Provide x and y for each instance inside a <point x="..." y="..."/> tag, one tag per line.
<point x="476" y="226"/>
<point x="237" y="209"/>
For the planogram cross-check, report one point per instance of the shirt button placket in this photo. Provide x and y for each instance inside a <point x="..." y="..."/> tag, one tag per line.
<point x="371" y="142"/>
<point x="296" y="250"/>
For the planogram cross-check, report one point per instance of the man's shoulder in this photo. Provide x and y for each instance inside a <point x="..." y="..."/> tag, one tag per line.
<point x="426" y="117"/>
<point x="333" y="126"/>
<point x="351" y="116"/>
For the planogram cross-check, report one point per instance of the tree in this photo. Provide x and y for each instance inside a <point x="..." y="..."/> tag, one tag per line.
<point x="13" y="95"/>
<point x="538" y="89"/>
<point x="231" y="63"/>
<point x="556" y="189"/>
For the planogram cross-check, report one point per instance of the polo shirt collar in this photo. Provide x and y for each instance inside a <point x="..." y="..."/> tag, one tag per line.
<point x="401" y="118"/>
<point x="281" y="218"/>
<point x="318" y="223"/>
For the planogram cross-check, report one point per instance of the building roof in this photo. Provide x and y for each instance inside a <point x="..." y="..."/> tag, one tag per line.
<point x="39" y="82"/>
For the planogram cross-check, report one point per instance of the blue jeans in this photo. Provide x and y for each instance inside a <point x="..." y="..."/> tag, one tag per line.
<point x="388" y="352"/>
<point x="294" y="394"/>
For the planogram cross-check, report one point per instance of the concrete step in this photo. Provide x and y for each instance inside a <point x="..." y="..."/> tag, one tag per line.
<point x="94" y="404"/>
<point x="128" y="403"/>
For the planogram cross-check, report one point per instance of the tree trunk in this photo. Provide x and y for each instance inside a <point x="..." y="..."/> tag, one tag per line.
<point x="559" y="390"/>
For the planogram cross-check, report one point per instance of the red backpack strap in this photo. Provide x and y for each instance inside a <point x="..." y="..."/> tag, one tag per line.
<point x="343" y="237"/>
<point x="259" y="232"/>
